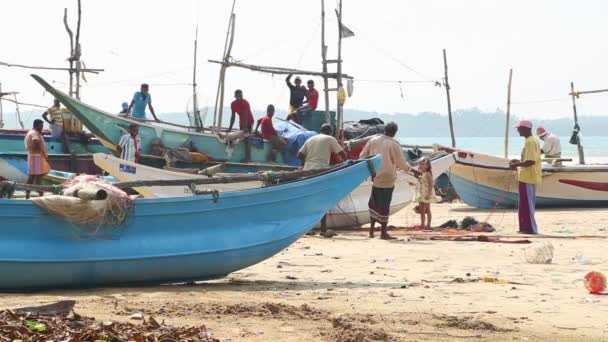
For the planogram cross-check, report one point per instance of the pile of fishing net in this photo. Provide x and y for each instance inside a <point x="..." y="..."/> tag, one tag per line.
<point x="88" y="200"/>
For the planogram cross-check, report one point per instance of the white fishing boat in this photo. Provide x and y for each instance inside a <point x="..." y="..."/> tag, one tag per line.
<point x="484" y="181"/>
<point x="351" y="211"/>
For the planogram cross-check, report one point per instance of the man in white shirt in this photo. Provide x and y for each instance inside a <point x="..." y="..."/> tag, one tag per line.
<point x="316" y="154"/>
<point x="552" y="148"/>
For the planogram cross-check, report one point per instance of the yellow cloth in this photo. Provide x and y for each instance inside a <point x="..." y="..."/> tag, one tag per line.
<point x="291" y="109"/>
<point x="530" y="174"/>
<point x="56" y="115"/>
<point x="341" y="96"/>
<point x="422" y="190"/>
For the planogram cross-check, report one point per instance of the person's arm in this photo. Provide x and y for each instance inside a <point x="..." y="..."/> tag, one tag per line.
<point x="399" y="159"/>
<point x="429" y="181"/>
<point x="119" y="147"/>
<point x="152" y="111"/>
<point x="130" y="106"/>
<point x="231" y="121"/>
<point x="365" y="152"/>
<point x="288" y="81"/>
<point x="301" y="156"/>
<point x="525" y="163"/>
<point x="336" y="148"/>
<point x="343" y="155"/>
<point x="45" y="116"/>
<point x="137" y="150"/>
<point x="257" y="126"/>
<point x="302" y="153"/>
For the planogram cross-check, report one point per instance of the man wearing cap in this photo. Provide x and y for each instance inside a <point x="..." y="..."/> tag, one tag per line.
<point x="529" y="177"/>
<point x="125" y="109"/>
<point x="316" y="153"/>
<point x="297" y="93"/>
<point x="552" y="148"/>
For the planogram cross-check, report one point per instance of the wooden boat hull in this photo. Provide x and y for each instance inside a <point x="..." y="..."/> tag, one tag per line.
<point x="484" y="181"/>
<point x="351" y="211"/>
<point x="166" y="239"/>
<point x="109" y="128"/>
<point x="13" y="166"/>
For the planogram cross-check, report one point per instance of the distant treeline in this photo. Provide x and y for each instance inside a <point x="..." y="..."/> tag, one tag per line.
<point x="467" y="122"/>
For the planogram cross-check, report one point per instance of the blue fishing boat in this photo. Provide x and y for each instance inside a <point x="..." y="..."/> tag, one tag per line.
<point x="168" y="239"/>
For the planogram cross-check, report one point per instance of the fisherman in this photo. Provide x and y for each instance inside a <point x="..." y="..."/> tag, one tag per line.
<point x="384" y="179"/>
<point x="125" y="109"/>
<point x="316" y="154"/>
<point x="56" y="121"/>
<point x="312" y="95"/>
<point x="37" y="157"/>
<point x="270" y="134"/>
<point x="529" y="177"/>
<point x="141" y="99"/>
<point x="241" y="107"/>
<point x="297" y="93"/>
<point x="552" y="148"/>
<point x="129" y="147"/>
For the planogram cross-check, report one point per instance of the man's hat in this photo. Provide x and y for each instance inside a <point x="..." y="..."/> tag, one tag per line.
<point x="541" y="131"/>
<point x="524" y="123"/>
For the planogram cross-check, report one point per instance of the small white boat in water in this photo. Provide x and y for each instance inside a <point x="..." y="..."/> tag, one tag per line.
<point x="351" y="211"/>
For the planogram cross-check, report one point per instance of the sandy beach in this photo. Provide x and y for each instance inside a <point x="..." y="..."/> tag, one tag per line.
<point x="352" y="288"/>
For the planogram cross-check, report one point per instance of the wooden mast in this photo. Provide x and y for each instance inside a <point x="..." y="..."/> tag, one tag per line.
<point x="195" y="111"/>
<point x="339" y="109"/>
<point x="507" y="126"/>
<point x="324" y="56"/>
<point x="447" y="91"/>
<point x="581" y="153"/>
<point x="219" y="98"/>
<point x="1" y="112"/>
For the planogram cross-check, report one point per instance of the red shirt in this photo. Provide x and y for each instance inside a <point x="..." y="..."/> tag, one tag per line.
<point x="244" y="111"/>
<point x="267" y="129"/>
<point x="312" y="98"/>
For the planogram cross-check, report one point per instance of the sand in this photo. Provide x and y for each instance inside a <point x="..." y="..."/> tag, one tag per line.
<point x="352" y="288"/>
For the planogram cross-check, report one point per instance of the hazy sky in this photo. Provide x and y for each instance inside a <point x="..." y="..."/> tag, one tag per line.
<point x="548" y="43"/>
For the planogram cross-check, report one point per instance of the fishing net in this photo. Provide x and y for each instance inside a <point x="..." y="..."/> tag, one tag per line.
<point x="112" y="211"/>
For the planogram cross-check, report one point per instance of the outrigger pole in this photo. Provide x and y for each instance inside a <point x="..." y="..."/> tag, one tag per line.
<point x="278" y="70"/>
<point x="575" y="95"/>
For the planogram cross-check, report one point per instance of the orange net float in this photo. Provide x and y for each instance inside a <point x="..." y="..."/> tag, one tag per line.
<point x="595" y="282"/>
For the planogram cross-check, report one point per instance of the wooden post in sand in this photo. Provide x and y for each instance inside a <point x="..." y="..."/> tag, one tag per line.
<point x="508" y="114"/>
<point x="447" y="91"/>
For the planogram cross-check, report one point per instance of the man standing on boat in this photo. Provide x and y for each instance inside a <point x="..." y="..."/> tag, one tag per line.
<point x="37" y="158"/>
<point x="316" y="154"/>
<point x="385" y="178"/>
<point x="241" y="107"/>
<point x="552" y="147"/>
<point x="141" y="99"/>
<point x="312" y="95"/>
<point x="529" y="177"/>
<point x="270" y="134"/>
<point x="297" y="93"/>
<point x="129" y="146"/>
<point x="56" y="121"/>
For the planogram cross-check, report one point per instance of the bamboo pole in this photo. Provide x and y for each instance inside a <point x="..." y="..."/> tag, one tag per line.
<point x="219" y="97"/>
<point x="278" y="70"/>
<point x="1" y="111"/>
<point x="10" y="65"/>
<point x="324" y="56"/>
<point x="507" y="126"/>
<point x="339" y="106"/>
<point x="589" y="92"/>
<point x="447" y="91"/>
<point x="581" y="153"/>
<point x="223" y="179"/>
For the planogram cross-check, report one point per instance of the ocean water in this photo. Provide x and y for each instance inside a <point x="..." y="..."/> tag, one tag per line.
<point x="595" y="147"/>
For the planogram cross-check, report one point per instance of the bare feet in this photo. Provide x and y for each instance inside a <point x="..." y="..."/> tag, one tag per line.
<point x="386" y="236"/>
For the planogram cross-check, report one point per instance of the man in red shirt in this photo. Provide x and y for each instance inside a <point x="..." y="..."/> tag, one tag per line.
<point x="241" y="107"/>
<point x="312" y="95"/>
<point x="270" y="134"/>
